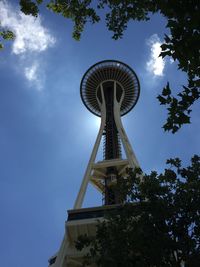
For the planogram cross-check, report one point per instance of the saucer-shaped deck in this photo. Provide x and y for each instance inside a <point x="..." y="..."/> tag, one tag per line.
<point x="105" y="71"/>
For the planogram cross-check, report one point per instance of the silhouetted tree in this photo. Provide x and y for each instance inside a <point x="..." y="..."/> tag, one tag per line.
<point x="158" y="224"/>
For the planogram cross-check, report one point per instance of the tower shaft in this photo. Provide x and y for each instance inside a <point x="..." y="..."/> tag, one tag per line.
<point x="112" y="146"/>
<point x="112" y="149"/>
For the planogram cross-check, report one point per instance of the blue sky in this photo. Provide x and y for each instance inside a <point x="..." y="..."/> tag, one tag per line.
<point x="47" y="134"/>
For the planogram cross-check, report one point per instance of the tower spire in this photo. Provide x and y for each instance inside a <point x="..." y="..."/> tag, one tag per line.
<point x="109" y="89"/>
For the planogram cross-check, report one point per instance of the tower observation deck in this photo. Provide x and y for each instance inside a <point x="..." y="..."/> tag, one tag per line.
<point x="128" y="87"/>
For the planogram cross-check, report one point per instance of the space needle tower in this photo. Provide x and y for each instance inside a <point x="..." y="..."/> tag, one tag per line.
<point x="109" y="89"/>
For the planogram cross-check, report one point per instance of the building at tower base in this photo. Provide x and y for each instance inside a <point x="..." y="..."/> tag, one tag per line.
<point x="80" y="222"/>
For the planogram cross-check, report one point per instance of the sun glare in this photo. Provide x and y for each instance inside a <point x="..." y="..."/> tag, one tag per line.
<point x="92" y="124"/>
<point x="97" y="122"/>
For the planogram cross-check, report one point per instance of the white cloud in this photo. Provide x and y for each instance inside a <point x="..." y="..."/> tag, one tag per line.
<point x="155" y="65"/>
<point x="33" y="74"/>
<point x="30" y="72"/>
<point x="32" y="38"/>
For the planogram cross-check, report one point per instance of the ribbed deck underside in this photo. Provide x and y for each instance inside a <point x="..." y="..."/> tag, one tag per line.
<point x="110" y="70"/>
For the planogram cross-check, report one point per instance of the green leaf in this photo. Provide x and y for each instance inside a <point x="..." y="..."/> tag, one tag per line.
<point x="162" y="100"/>
<point x="7" y="35"/>
<point x="166" y="90"/>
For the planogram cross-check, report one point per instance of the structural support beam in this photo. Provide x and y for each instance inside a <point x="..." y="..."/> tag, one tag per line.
<point x="81" y="194"/>
<point x="126" y="144"/>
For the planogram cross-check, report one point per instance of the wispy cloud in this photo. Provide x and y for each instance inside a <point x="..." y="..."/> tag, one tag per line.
<point x="30" y="72"/>
<point x="33" y="74"/>
<point x="32" y="38"/>
<point x="155" y="65"/>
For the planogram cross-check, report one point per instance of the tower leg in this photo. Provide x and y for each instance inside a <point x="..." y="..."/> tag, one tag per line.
<point x="81" y="194"/>
<point x="126" y="144"/>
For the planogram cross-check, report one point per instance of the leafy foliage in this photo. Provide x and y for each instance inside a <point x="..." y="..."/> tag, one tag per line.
<point x="78" y="11"/>
<point x="182" y="44"/>
<point x="5" y="35"/>
<point x="179" y="110"/>
<point x="29" y="7"/>
<point x="158" y="224"/>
